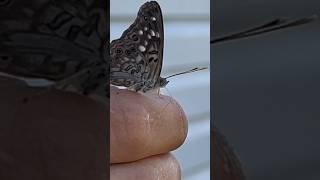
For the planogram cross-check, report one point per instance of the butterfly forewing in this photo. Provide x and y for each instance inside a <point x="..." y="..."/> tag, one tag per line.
<point x="136" y="57"/>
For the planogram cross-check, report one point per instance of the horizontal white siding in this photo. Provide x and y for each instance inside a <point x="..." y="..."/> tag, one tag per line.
<point x="129" y="8"/>
<point x="187" y="28"/>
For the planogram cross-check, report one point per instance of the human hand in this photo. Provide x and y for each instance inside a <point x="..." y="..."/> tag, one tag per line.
<point x="143" y="130"/>
<point x="66" y="130"/>
<point x="54" y="135"/>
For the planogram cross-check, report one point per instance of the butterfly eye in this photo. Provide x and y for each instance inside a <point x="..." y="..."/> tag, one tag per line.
<point x="145" y="18"/>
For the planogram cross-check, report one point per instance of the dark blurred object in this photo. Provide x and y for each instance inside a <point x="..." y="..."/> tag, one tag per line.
<point x="226" y="165"/>
<point x="230" y="16"/>
<point x="57" y="135"/>
<point x="266" y="89"/>
<point x="271" y="26"/>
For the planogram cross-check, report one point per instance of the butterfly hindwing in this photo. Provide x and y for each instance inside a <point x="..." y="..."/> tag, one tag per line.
<point x="136" y="58"/>
<point x="58" y="42"/>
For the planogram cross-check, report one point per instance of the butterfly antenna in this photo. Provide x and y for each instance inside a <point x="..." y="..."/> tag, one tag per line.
<point x="274" y="25"/>
<point x="188" y="71"/>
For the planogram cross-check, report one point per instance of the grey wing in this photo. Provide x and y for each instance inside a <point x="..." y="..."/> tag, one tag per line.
<point x="136" y="57"/>
<point x="53" y="43"/>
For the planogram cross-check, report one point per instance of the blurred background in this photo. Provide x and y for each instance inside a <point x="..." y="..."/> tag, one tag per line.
<point x="187" y="34"/>
<point x="266" y="88"/>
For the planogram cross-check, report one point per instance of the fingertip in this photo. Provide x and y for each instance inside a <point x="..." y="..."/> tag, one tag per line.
<point x="164" y="166"/>
<point x="144" y="125"/>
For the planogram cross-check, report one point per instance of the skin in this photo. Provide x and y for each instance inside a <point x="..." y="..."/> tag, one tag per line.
<point x="155" y="167"/>
<point x="144" y="128"/>
<point x="62" y="135"/>
<point x="55" y="135"/>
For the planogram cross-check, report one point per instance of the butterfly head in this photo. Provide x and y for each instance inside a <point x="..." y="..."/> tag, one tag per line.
<point x="163" y="82"/>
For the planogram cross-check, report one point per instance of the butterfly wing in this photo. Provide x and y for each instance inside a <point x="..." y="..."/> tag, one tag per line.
<point x="136" y="57"/>
<point x="54" y="42"/>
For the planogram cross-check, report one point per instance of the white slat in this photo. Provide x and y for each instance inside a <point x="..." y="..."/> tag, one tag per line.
<point x="129" y="8"/>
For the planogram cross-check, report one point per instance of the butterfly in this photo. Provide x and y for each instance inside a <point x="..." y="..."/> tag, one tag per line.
<point x="55" y="45"/>
<point x="137" y="56"/>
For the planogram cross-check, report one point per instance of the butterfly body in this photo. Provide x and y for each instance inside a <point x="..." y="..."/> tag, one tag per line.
<point x="136" y="57"/>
